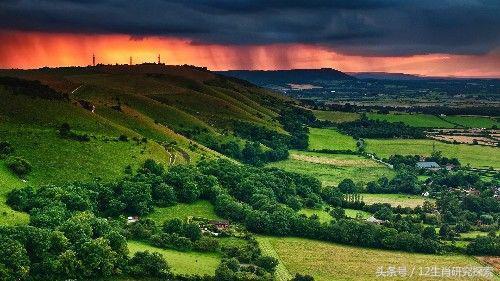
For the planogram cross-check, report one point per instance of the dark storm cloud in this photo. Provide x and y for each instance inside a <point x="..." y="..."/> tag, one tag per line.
<point x="365" y="27"/>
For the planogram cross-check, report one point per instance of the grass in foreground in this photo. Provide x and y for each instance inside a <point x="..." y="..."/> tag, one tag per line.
<point x="182" y="262"/>
<point x="200" y="208"/>
<point x="330" y="139"/>
<point x="327" y="261"/>
<point x="395" y="199"/>
<point x="475" y="155"/>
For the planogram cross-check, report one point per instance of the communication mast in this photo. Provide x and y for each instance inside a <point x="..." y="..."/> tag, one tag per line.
<point x="159" y="60"/>
<point x="130" y="60"/>
<point x="93" y="59"/>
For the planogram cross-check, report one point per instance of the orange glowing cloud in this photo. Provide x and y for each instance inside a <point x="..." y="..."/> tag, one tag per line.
<point x="35" y="49"/>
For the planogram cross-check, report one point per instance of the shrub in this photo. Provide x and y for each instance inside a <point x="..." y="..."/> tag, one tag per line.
<point x="19" y="166"/>
<point x="146" y="264"/>
<point x="5" y="149"/>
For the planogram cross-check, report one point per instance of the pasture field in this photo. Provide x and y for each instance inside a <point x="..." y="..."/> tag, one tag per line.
<point x="414" y="120"/>
<point x="351" y="213"/>
<point x="199" y="208"/>
<point x="404" y="200"/>
<point x="331" y="169"/>
<point x="330" y="139"/>
<point x="182" y="262"/>
<point x="336" y="116"/>
<point x="473" y="121"/>
<point x="328" y="261"/>
<point x="475" y="155"/>
<point x="323" y="216"/>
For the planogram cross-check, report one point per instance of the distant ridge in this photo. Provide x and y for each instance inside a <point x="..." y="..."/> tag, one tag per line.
<point x="387" y="76"/>
<point x="299" y="76"/>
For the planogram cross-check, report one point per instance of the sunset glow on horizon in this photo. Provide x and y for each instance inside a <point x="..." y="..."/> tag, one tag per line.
<point x="37" y="49"/>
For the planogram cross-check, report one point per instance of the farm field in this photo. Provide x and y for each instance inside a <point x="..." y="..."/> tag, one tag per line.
<point x="323" y="216"/>
<point x="328" y="261"/>
<point x="330" y="139"/>
<point x="199" y="208"/>
<point x="475" y="155"/>
<point x="415" y="120"/>
<point x="473" y="121"/>
<point x="404" y="200"/>
<point x="336" y="116"/>
<point x="182" y="262"/>
<point x="331" y="169"/>
<point x="351" y="213"/>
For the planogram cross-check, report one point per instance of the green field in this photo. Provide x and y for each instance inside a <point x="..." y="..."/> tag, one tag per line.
<point x="331" y="169"/>
<point x="330" y="139"/>
<point x="475" y="155"/>
<point x="351" y="213"/>
<point x="182" y="262"/>
<point x="395" y="199"/>
<point x="415" y="120"/>
<point x="182" y="211"/>
<point x="323" y="216"/>
<point x="8" y="181"/>
<point x="473" y="121"/>
<point x="327" y="261"/>
<point x="336" y="116"/>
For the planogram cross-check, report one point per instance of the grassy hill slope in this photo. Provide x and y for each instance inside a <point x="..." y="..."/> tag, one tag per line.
<point x="129" y="113"/>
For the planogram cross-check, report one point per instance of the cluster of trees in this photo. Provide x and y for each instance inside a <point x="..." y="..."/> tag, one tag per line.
<point x="65" y="132"/>
<point x="295" y="121"/>
<point x="30" y="88"/>
<point x="82" y="246"/>
<point x="366" y="128"/>
<point x="399" y="161"/>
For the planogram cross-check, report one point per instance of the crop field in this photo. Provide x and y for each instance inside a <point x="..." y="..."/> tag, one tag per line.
<point x="473" y="121"/>
<point x="415" y="120"/>
<point x="330" y="139"/>
<point x="327" y="261"/>
<point x="200" y="208"/>
<point x="331" y="169"/>
<point x="404" y="200"/>
<point x="475" y="155"/>
<point x="182" y="262"/>
<point x="336" y="116"/>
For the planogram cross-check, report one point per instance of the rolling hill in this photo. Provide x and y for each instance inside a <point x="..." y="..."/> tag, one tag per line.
<point x="120" y="116"/>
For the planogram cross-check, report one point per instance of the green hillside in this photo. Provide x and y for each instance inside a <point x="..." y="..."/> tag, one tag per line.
<point x="129" y="114"/>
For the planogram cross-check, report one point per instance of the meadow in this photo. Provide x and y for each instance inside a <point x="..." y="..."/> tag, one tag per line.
<point x="331" y="169"/>
<point x="473" y="121"/>
<point x="324" y="216"/>
<point x="475" y="155"/>
<point x="336" y="116"/>
<point x="414" y="120"/>
<point x="404" y="200"/>
<point x="199" y="208"/>
<point x="182" y="262"/>
<point x="327" y="261"/>
<point x="330" y="139"/>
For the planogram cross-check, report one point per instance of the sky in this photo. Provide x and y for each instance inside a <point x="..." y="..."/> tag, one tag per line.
<point x="425" y="37"/>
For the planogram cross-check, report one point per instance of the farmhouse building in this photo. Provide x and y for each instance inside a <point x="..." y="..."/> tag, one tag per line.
<point x="219" y="224"/>
<point x="374" y="220"/>
<point x="433" y="166"/>
<point x="132" y="219"/>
